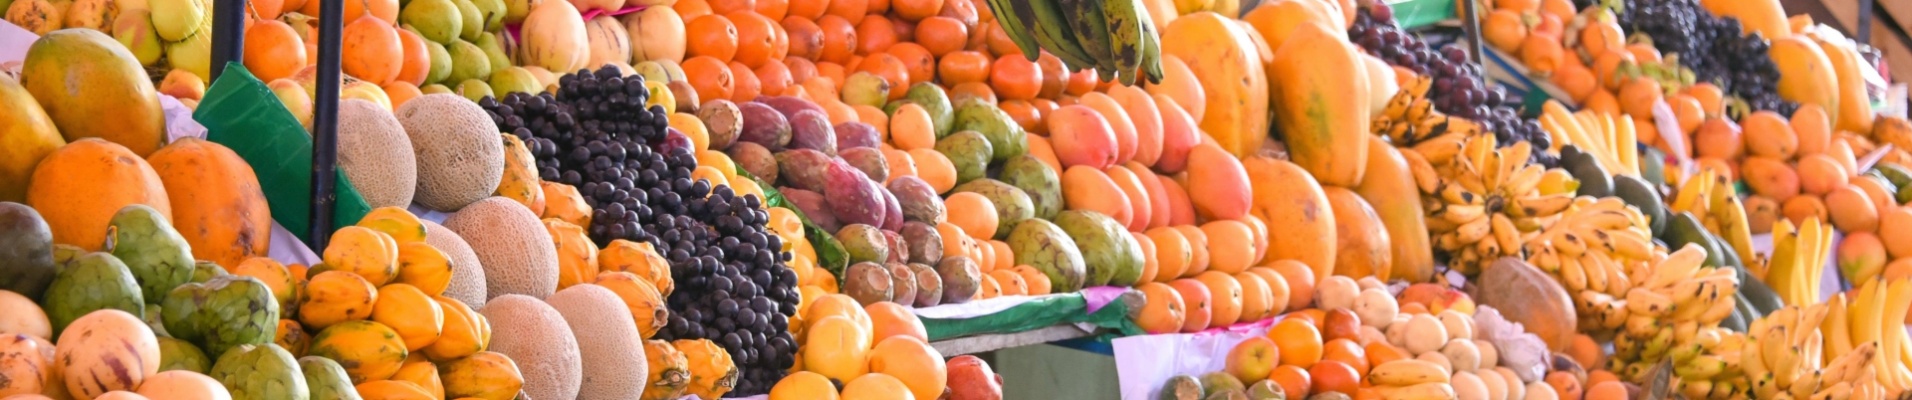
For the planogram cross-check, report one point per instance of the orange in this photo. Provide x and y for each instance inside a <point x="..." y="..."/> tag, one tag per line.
<point x="912" y="361"/>
<point x="756" y="37"/>
<point x="999" y="42"/>
<point x="1025" y="115"/>
<point x="839" y="39"/>
<point x="1081" y="82"/>
<point x="851" y="10"/>
<point x="370" y="50"/>
<point x="1015" y="78"/>
<point x="1055" y="76"/>
<point x="972" y="212"/>
<point x="916" y="10"/>
<point x="1299" y="341"/>
<point x="711" y="78"/>
<point x="964" y="11"/>
<point x="746" y="87"/>
<point x="1196" y="303"/>
<point x="801" y="69"/>
<point x="934" y="168"/>
<point x="1347" y="352"/>
<point x="711" y="35"/>
<point x="1162" y="311"/>
<point x="942" y="35"/>
<point x="774" y="78"/>
<point x="730" y="6"/>
<point x="964" y="66"/>
<point x="687" y="9"/>
<point x="917" y="60"/>
<point x="773" y="9"/>
<point x="1293" y="380"/>
<point x="806" y="38"/>
<point x="891" y="69"/>
<point x="874" y="35"/>
<point x="971" y="90"/>
<point x="1334" y="376"/>
<point x="808" y="9"/>
<point x="273" y="50"/>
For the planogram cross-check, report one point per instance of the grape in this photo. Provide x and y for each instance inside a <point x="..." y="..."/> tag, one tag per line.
<point x="1459" y="88"/>
<point x="1712" y="47"/>
<point x="597" y="134"/>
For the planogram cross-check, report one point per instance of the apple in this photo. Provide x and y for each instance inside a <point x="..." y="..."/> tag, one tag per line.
<point x="1341" y="323"/>
<point x="1252" y="359"/>
<point x="295" y="98"/>
<point x="1437" y="297"/>
<point x="971" y="379"/>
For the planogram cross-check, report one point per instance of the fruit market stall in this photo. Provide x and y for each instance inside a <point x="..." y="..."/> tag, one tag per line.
<point x="662" y="199"/>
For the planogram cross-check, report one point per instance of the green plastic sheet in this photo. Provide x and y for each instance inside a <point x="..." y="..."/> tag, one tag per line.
<point x="241" y="113"/>
<point x="1039" y="313"/>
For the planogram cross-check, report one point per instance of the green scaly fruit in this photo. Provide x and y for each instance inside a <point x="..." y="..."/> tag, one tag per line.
<point x="91" y="282"/>
<point x="158" y="257"/>
<point x="260" y="372"/>
<point x="223" y="313"/>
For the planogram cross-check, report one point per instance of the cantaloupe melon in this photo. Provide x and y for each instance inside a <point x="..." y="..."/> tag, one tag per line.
<point x="467" y="275"/>
<point x="460" y="159"/>
<point x="376" y="154"/>
<point x="536" y="337"/>
<point x="610" y="348"/>
<point x="512" y="246"/>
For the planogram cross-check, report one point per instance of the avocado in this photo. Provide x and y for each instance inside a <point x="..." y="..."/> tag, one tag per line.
<point x="1736" y="321"/>
<point x="1653" y="165"/>
<point x="1686" y="229"/>
<point x="1639" y="194"/>
<point x="1594" y="179"/>
<point x="1728" y="254"/>
<point x="1754" y="293"/>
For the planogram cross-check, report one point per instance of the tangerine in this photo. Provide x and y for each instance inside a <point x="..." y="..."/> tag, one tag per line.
<point x="891" y="69"/>
<point x="920" y="63"/>
<point x="710" y="76"/>
<point x="1055" y="76"/>
<point x="999" y="42"/>
<point x="839" y="39"/>
<point x="1347" y="352"/>
<point x="1015" y="78"/>
<point x="1294" y="381"/>
<point x="916" y="10"/>
<point x="801" y="69"/>
<point x="746" y="86"/>
<point x="1299" y="341"/>
<point x="1024" y="114"/>
<point x="964" y="66"/>
<point x="942" y="35"/>
<point x="688" y="9"/>
<point x="756" y="37"/>
<point x="875" y="35"/>
<point x="729" y="6"/>
<point x="962" y="11"/>
<point x="1082" y="82"/>
<point x="774" y="78"/>
<point x="808" y="9"/>
<point x="712" y="35"/>
<point x="773" y="9"/>
<point x="851" y="10"/>
<point x="805" y="37"/>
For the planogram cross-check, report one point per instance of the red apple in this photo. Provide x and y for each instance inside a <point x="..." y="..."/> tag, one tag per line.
<point x="1437" y="297"/>
<point x="1252" y="359"/>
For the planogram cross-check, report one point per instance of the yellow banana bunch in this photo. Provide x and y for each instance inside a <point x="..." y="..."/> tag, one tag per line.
<point x="1788" y="354"/>
<point x="1711" y="197"/>
<point x="1590" y="251"/>
<point x="1797" y="263"/>
<point x="1672" y="312"/>
<point x="1609" y="138"/>
<point x="1484" y="202"/>
<point x="1410" y="120"/>
<point x="1878" y="302"/>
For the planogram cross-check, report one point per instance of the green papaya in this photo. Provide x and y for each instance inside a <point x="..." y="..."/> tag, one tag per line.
<point x="260" y="372"/>
<point x="224" y="312"/>
<point x="159" y="258"/>
<point x="88" y="283"/>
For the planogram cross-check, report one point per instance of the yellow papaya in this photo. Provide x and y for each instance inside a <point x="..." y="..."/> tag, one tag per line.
<point x="463" y="333"/>
<point x="1389" y="188"/>
<point x="1805" y="74"/>
<point x="639" y="258"/>
<point x="520" y="180"/>
<point x="276" y="277"/>
<point x="412" y="313"/>
<point x="399" y="223"/>
<point x="368" y="253"/>
<point x="646" y="305"/>
<point x="392" y="390"/>
<point x="1321" y="105"/>
<point x="423" y="373"/>
<point x="425" y="267"/>
<point x="333" y="297"/>
<point x="369" y="351"/>
<point x="485" y="375"/>
<point x="1227" y="62"/>
<point x="577" y="256"/>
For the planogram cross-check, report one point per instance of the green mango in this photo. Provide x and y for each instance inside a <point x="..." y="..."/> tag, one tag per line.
<point x="26" y="252"/>
<point x="1112" y="256"/>
<point x="1005" y="136"/>
<point x="260" y="372"/>
<point x="175" y="354"/>
<point x="327" y="379"/>
<point x="224" y="312"/>
<point x="1041" y="183"/>
<point x="91" y="282"/>
<point x="159" y="258"/>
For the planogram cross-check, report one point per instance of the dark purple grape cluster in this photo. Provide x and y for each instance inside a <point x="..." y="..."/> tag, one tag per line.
<point x="1459" y="88"/>
<point x="1712" y="47"/>
<point x="596" y="134"/>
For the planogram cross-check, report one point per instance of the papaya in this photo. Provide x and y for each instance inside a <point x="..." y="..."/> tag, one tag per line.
<point x="1277" y="20"/>
<point x="1287" y="197"/>
<point x="81" y="186"/>
<point x="416" y="317"/>
<point x="370" y="254"/>
<point x="80" y="76"/>
<point x="1363" y="242"/>
<point x="30" y="137"/>
<point x="401" y="225"/>
<point x="1856" y="114"/>
<point x="1765" y="17"/>
<point x="368" y="350"/>
<point x="1389" y="188"/>
<point x="485" y="375"/>
<point x="425" y="267"/>
<point x="218" y="205"/>
<point x="1221" y="55"/>
<point x="464" y="332"/>
<point x="1321" y="104"/>
<point x="1805" y="74"/>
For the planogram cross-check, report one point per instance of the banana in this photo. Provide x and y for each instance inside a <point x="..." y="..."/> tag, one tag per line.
<point x="1573" y="275"/>
<point x="1838" y="338"/>
<point x="1647" y="303"/>
<point x="1091" y="29"/>
<point x="1630" y="244"/>
<point x="1525" y="180"/>
<point x="1505" y="233"/>
<point x="1455" y="195"/>
<point x="1424" y="391"/>
<point x="1534" y="206"/>
<point x="1679" y="265"/>
<point x="1596" y="268"/>
<point x="1425" y="177"/>
<point x="1719" y="310"/>
<point x="1407" y="373"/>
<point x="1016" y="25"/>
<point x="1124" y="31"/>
<point x="1053" y="33"/>
<point x="1441" y="148"/>
<point x="1700" y="368"/>
<point x="1897" y="299"/>
<point x="1151" y="48"/>
<point x="1474" y="231"/>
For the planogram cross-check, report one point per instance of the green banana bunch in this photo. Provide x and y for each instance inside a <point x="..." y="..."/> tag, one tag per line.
<point x="1115" y="37"/>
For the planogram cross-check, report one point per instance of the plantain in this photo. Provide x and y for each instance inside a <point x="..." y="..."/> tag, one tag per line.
<point x="1017" y="26"/>
<point x="1091" y="30"/>
<point x="1053" y="33"/>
